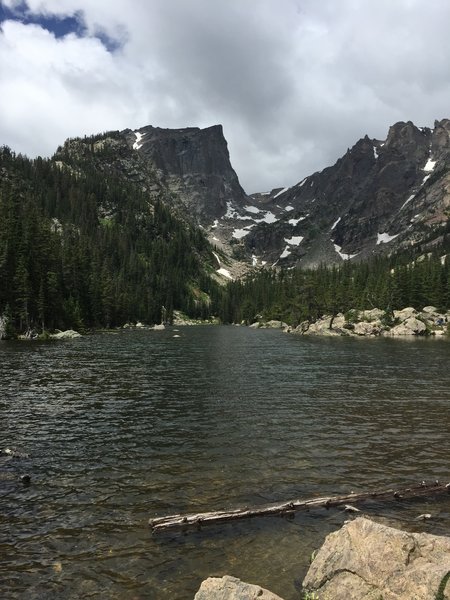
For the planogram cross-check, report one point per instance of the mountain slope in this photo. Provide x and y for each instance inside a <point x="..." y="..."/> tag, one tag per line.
<point x="190" y="167"/>
<point x="380" y="197"/>
<point x="80" y="248"/>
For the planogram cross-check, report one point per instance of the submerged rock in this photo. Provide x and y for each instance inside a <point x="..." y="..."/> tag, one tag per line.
<point x="231" y="588"/>
<point x="365" y="560"/>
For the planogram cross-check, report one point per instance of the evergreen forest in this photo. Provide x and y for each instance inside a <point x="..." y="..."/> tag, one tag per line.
<point x="84" y="250"/>
<point x="79" y="250"/>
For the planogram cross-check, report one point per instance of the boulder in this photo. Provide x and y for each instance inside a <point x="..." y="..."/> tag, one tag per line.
<point x="328" y="326"/>
<point x="302" y="328"/>
<point x="255" y="325"/>
<point x="231" y="588"/>
<point x="430" y="309"/>
<point x="365" y="560"/>
<point x="68" y="334"/>
<point x="410" y="326"/>
<point x="375" y="314"/>
<point x="274" y="324"/>
<point x="159" y="327"/>
<point x="405" y="313"/>
<point x="368" y="328"/>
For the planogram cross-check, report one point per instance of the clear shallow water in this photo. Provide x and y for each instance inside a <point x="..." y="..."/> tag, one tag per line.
<point x="122" y="427"/>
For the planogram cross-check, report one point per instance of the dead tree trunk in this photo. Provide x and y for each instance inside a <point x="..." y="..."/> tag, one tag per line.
<point x="189" y="520"/>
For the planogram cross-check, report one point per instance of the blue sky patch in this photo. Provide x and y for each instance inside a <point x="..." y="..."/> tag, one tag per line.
<point x="59" y="26"/>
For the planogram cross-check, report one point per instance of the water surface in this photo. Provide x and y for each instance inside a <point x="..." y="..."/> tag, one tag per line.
<point x="125" y="426"/>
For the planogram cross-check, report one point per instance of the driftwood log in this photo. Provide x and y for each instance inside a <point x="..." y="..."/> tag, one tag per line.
<point x="286" y="508"/>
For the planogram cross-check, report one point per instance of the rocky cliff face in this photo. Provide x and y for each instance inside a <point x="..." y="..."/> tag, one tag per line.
<point x="189" y="168"/>
<point x="381" y="196"/>
<point x="195" y="166"/>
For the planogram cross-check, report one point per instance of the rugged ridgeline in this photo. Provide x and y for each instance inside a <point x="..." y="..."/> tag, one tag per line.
<point x="189" y="167"/>
<point x="380" y="197"/>
<point x="114" y="228"/>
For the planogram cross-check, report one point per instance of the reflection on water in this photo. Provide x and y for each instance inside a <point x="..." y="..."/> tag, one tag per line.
<point x="132" y="425"/>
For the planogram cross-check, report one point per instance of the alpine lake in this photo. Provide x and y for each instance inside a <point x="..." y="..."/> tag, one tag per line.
<point x="125" y="426"/>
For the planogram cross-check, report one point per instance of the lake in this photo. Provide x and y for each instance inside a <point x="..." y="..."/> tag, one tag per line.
<point x="125" y="426"/>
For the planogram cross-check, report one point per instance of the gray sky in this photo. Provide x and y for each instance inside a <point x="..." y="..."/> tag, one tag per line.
<point x="293" y="82"/>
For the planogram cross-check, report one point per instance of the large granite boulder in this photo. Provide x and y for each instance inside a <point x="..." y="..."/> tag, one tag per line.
<point x="365" y="560"/>
<point x="328" y="326"/>
<point x="410" y="326"/>
<point x="368" y="328"/>
<point x="274" y="324"/>
<point x="374" y="314"/>
<point x="65" y="335"/>
<point x="405" y="313"/>
<point x="231" y="588"/>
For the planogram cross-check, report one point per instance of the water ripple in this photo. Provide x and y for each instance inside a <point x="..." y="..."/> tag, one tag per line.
<point x="123" y="427"/>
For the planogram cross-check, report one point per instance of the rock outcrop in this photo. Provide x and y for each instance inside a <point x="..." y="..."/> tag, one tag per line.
<point x="380" y="197"/>
<point x="365" y="560"/>
<point x="272" y="324"/>
<point x="375" y="322"/>
<point x="194" y="164"/>
<point x="410" y="326"/>
<point x="187" y="168"/>
<point x="65" y="335"/>
<point x="231" y="588"/>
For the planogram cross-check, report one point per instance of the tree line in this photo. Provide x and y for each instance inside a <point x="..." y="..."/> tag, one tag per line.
<point x="82" y="249"/>
<point x="388" y="283"/>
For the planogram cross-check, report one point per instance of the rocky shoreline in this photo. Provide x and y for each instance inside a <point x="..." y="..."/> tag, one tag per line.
<point x="364" y="560"/>
<point x="372" y="323"/>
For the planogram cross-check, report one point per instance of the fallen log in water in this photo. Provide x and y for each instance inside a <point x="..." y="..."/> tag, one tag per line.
<point x="189" y="520"/>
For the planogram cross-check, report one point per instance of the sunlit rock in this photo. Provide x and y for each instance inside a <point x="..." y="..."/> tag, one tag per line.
<point x="68" y="334"/>
<point x="410" y="326"/>
<point x="405" y="313"/>
<point x="365" y="560"/>
<point x="231" y="588"/>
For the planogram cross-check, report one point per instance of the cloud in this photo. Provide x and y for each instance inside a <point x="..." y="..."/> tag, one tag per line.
<point x="294" y="85"/>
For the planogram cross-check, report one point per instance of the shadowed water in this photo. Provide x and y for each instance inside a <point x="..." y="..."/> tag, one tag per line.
<point x="126" y="426"/>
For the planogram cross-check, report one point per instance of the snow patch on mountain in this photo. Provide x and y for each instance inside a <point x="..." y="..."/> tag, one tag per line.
<point x="295" y="240"/>
<point x="221" y="270"/>
<point x="240" y="233"/>
<point x="252" y="209"/>
<point x="335" y="223"/>
<point x="407" y="201"/>
<point x="269" y="217"/>
<point x="138" y="144"/>
<point x="281" y="192"/>
<point x="343" y="255"/>
<point x="430" y="165"/>
<point x="385" y="238"/>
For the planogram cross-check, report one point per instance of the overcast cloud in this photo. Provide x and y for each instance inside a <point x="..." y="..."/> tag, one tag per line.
<point x="294" y="82"/>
